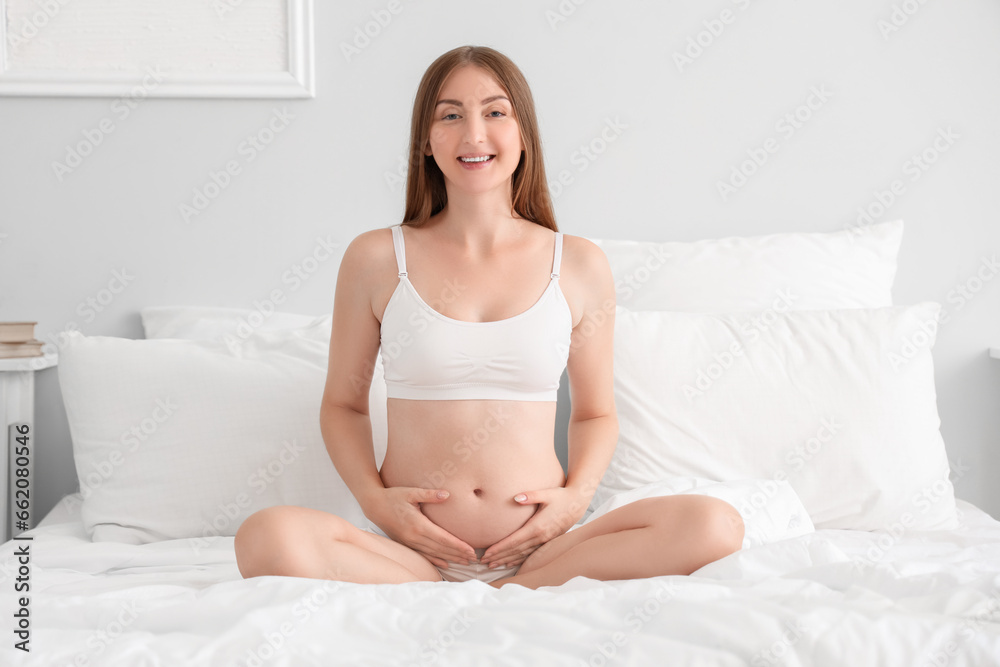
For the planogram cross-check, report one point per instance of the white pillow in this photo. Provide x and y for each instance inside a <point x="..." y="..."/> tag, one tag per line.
<point x="840" y="403"/>
<point x="851" y="268"/>
<point x="211" y="322"/>
<point x="771" y="510"/>
<point x="233" y="325"/>
<point x="176" y="438"/>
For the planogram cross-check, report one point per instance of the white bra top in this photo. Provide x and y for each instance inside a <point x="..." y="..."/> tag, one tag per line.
<point x="428" y="356"/>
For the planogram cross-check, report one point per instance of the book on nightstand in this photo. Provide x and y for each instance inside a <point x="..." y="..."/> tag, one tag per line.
<point x="17" y="339"/>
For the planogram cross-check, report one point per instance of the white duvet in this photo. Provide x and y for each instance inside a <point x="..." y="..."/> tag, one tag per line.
<point x="832" y="597"/>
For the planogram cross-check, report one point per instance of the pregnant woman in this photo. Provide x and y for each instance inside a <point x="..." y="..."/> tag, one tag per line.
<point x="478" y="304"/>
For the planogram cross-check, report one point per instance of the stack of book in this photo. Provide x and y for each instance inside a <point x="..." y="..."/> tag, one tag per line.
<point x="17" y="339"/>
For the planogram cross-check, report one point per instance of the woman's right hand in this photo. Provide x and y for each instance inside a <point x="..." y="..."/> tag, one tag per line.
<point x="398" y="513"/>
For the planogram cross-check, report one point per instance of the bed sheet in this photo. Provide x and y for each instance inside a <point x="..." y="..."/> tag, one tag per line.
<point x="833" y="597"/>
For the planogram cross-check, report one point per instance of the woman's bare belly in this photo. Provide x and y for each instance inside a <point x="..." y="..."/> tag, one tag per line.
<point x="484" y="452"/>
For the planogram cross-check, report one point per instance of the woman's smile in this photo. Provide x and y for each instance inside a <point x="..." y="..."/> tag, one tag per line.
<point x="476" y="162"/>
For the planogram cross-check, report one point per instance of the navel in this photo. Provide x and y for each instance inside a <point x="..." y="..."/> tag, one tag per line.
<point x="478" y="492"/>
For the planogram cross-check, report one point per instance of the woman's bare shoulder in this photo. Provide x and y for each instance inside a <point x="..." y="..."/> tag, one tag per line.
<point x="585" y="258"/>
<point x="368" y="253"/>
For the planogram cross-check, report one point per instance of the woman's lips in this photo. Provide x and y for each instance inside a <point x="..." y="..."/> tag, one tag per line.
<point x="478" y="164"/>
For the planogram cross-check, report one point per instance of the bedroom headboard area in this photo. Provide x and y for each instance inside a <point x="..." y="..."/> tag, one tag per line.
<point x="660" y="122"/>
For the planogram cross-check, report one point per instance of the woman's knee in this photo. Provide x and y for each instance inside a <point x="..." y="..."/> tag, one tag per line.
<point x="257" y="538"/>
<point x="273" y="540"/>
<point x="712" y="527"/>
<point x="722" y="528"/>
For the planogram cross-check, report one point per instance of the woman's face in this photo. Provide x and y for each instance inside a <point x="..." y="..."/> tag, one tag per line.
<point x="474" y="137"/>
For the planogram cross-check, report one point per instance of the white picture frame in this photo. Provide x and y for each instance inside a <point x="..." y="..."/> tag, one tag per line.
<point x="297" y="81"/>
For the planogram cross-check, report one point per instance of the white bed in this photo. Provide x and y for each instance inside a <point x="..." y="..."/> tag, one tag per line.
<point x="932" y="598"/>
<point x="773" y="372"/>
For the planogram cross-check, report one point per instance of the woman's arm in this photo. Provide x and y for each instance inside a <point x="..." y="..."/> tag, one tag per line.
<point x="348" y="437"/>
<point x="354" y="342"/>
<point x="591" y="446"/>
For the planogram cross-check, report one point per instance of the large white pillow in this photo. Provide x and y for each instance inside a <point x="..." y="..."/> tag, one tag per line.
<point x="211" y="322"/>
<point x="841" y="403"/>
<point x="851" y="268"/>
<point x="181" y="438"/>
<point x="233" y="325"/>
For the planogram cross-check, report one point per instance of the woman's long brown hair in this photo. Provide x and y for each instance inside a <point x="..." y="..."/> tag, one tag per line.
<point x="425" y="190"/>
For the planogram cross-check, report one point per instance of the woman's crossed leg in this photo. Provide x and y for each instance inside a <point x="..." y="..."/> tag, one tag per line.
<point x="645" y="538"/>
<point x="302" y="542"/>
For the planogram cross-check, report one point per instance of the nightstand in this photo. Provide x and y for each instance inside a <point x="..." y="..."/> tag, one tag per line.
<point x="17" y="406"/>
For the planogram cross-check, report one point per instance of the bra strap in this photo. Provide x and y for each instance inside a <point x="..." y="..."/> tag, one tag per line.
<point x="557" y="259"/>
<point x="397" y="244"/>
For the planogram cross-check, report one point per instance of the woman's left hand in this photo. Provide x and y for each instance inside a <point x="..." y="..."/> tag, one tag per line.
<point x="558" y="510"/>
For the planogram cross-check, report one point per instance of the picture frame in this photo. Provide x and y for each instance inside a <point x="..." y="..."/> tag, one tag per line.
<point x="209" y="69"/>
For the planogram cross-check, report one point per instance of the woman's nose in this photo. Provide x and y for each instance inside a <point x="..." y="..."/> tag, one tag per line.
<point x="475" y="129"/>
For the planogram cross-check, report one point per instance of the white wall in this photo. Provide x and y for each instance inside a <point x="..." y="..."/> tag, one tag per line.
<point x="328" y="173"/>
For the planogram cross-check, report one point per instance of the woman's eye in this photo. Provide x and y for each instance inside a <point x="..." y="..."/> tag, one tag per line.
<point x="499" y="112"/>
<point x="447" y="117"/>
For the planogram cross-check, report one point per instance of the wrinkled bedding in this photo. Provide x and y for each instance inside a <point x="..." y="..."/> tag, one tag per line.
<point x="829" y="597"/>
